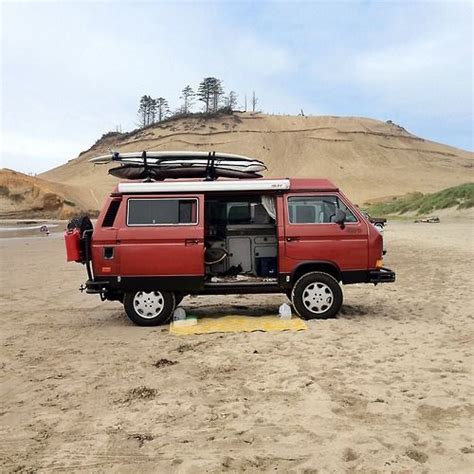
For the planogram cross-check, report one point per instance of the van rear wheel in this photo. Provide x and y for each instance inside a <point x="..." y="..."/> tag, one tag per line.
<point x="317" y="295"/>
<point x="149" y="308"/>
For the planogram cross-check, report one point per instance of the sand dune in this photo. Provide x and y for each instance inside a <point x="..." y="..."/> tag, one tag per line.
<point x="367" y="158"/>
<point x="29" y="196"/>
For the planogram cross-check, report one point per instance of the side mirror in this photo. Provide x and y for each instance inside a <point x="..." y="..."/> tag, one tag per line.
<point x="340" y="218"/>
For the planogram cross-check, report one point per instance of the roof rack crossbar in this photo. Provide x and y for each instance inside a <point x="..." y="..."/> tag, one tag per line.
<point x="146" y="168"/>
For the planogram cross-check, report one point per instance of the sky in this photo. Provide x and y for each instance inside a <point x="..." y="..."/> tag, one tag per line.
<point x="71" y="71"/>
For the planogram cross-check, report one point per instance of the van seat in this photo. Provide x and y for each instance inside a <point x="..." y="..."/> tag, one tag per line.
<point x="305" y="214"/>
<point x="261" y="215"/>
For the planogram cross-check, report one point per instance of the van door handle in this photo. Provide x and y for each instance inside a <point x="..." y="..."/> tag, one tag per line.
<point x="292" y="239"/>
<point x="191" y="242"/>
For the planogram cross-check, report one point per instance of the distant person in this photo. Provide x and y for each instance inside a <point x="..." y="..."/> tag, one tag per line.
<point x="44" y="230"/>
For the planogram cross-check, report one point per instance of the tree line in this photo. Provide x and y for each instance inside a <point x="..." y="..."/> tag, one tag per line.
<point x="210" y="92"/>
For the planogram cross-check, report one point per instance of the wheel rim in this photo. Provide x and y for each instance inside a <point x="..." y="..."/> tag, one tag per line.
<point x="148" y="305"/>
<point x="317" y="297"/>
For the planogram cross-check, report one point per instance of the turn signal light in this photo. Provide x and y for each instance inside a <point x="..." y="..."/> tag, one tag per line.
<point x="379" y="263"/>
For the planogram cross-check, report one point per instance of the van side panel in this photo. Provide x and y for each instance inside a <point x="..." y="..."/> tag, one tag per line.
<point x="105" y="258"/>
<point x="345" y="248"/>
<point x="161" y="250"/>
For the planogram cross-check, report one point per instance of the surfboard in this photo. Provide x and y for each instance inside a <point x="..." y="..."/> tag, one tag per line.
<point x="132" y="171"/>
<point x="169" y="155"/>
<point x="160" y="165"/>
<point x="237" y="165"/>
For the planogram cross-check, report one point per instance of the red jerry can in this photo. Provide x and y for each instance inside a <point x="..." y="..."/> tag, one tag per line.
<point x="72" y="238"/>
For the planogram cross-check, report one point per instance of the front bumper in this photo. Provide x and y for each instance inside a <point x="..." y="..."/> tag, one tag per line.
<point x="383" y="275"/>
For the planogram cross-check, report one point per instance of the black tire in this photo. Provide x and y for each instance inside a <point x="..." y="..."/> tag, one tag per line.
<point x="82" y="223"/>
<point x="327" y="296"/>
<point x="140" y="307"/>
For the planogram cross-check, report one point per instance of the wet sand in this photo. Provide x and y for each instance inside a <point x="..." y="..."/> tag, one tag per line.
<point x="385" y="387"/>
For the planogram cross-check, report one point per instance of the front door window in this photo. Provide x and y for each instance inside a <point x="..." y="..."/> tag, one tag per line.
<point x="316" y="210"/>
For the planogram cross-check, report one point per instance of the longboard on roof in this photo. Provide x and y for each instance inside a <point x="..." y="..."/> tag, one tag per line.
<point x="161" y="165"/>
<point x="158" y="173"/>
<point x="161" y="156"/>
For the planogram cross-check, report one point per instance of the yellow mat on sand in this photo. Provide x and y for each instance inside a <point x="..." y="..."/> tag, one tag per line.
<point x="239" y="324"/>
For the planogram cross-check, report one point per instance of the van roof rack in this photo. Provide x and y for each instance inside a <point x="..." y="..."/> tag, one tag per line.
<point x="161" y="165"/>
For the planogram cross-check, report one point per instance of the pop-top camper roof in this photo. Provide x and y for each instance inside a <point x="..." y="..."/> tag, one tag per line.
<point x="228" y="185"/>
<point x="205" y="186"/>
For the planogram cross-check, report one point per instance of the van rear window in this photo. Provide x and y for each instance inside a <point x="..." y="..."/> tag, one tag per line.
<point x="149" y="212"/>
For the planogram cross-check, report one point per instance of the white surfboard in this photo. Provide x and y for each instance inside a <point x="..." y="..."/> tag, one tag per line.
<point x="168" y="155"/>
<point x="176" y="164"/>
<point x="253" y="166"/>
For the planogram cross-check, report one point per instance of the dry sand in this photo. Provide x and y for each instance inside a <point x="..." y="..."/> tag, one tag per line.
<point x="387" y="386"/>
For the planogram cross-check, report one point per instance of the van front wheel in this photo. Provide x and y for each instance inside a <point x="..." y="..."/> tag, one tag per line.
<point x="149" y="308"/>
<point x="317" y="295"/>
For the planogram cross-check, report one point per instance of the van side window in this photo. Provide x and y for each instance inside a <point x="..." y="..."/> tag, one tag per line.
<point x="111" y="213"/>
<point x="316" y="209"/>
<point x="149" y="212"/>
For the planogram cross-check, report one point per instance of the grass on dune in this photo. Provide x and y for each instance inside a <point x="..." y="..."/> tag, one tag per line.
<point x="460" y="197"/>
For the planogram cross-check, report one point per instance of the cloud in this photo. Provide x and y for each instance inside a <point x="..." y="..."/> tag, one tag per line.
<point x="430" y="77"/>
<point x="255" y="56"/>
<point x="73" y="70"/>
<point x="30" y="153"/>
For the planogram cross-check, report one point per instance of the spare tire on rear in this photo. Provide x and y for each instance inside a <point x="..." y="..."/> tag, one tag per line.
<point x="82" y="223"/>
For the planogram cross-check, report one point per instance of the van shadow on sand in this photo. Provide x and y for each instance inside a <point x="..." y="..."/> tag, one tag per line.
<point x="118" y="317"/>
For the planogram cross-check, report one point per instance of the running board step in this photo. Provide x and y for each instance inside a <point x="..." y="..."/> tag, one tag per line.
<point x="240" y="283"/>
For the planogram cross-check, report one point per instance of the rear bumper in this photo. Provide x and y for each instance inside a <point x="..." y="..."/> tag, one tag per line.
<point x="383" y="275"/>
<point x="96" y="286"/>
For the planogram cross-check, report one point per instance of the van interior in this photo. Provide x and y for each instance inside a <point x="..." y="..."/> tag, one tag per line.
<point x="240" y="239"/>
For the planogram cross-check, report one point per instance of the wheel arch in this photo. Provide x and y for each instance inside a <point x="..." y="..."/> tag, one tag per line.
<point x="316" y="266"/>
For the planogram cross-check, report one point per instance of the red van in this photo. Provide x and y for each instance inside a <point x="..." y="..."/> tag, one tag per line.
<point x="156" y="242"/>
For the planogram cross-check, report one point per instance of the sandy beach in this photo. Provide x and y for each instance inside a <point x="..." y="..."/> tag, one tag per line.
<point x="385" y="387"/>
